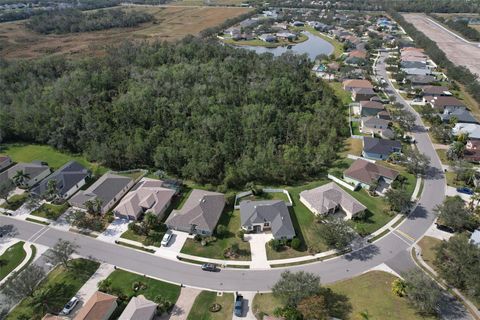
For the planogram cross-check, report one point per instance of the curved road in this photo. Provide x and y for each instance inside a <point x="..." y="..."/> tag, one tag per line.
<point x="392" y="249"/>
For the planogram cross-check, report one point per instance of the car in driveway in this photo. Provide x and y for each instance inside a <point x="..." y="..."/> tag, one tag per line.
<point x="69" y="306"/>
<point x="166" y="238"/>
<point x="465" y="190"/>
<point x="212" y="267"/>
<point x="238" y="305"/>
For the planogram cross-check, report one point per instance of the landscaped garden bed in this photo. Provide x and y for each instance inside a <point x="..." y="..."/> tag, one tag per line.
<point x="50" y="211"/>
<point x="15" y="201"/>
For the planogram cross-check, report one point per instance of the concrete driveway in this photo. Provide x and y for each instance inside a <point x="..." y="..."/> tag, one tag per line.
<point x="257" y="248"/>
<point x="174" y="246"/>
<point x="451" y="192"/>
<point x="247" y="313"/>
<point x="114" y="230"/>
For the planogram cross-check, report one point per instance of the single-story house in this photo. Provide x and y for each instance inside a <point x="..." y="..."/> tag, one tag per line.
<point x="472" y="129"/>
<point x="267" y="37"/>
<point x="379" y="149"/>
<point x="148" y="195"/>
<point x="109" y="189"/>
<point x="359" y="94"/>
<point x="472" y="151"/>
<point x="329" y="198"/>
<point x="139" y="308"/>
<point x="286" y="36"/>
<point x="370" y="108"/>
<point x="35" y="172"/>
<point x="416" y="71"/>
<point x="199" y="214"/>
<point x="356" y="57"/>
<point x="100" y="306"/>
<point x="232" y="31"/>
<point x="435" y="91"/>
<point x="374" y="125"/>
<point x="420" y="79"/>
<point x="440" y="103"/>
<point x="298" y="24"/>
<point x="5" y="161"/>
<point x="384" y="115"/>
<point x="417" y="63"/>
<point x="351" y="84"/>
<point x="475" y="238"/>
<point x="267" y="215"/>
<point x="462" y="116"/>
<point x="367" y="173"/>
<point x="69" y="179"/>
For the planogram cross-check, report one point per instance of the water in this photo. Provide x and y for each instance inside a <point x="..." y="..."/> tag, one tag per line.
<point x="312" y="47"/>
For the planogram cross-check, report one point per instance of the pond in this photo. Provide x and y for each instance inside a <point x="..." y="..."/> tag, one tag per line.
<point x="312" y="47"/>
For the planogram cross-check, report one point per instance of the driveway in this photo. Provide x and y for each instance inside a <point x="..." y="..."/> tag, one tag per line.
<point x="257" y="248"/>
<point x="114" y="230"/>
<point x="247" y="312"/>
<point x="451" y="192"/>
<point x="183" y="305"/>
<point x="174" y="246"/>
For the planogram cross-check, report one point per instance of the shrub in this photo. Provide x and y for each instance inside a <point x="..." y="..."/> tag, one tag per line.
<point x="296" y="243"/>
<point x="197" y="238"/>
<point x="105" y="285"/>
<point x="222" y="231"/>
<point x="275" y="244"/>
<point x="241" y="234"/>
<point x="399" y="287"/>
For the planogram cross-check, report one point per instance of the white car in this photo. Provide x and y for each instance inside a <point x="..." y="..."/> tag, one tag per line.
<point x="166" y="238"/>
<point x="70" y="306"/>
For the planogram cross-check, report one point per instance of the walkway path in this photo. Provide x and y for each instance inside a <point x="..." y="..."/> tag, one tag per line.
<point x="29" y="253"/>
<point x="183" y="305"/>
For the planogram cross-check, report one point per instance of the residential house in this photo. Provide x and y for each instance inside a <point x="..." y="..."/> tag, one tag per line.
<point x="267" y="37"/>
<point x="233" y="31"/>
<point x="472" y="129"/>
<point x="68" y="180"/>
<point x="472" y="151"/>
<point x="286" y="36"/>
<point x="416" y="80"/>
<point x="298" y="24"/>
<point x="435" y="91"/>
<point x="148" y="195"/>
<point x="384" y="115"/>
<point x="265" y="215"/>
<point x="330" y="198"/>
<point x="199" y="214"/>
<point x="109" y="189"/>
<point x="440" y="103"/>
<point x="34" y="171"/>
<point x="139" y="308"/>
<point x="460" y="115"/>
<point x="379" y="149"/>
<point x="475" y="238"/>
<point x="416" y="71"/>
<point x="351" y="84"/>
<point x="359" y="94"/>
<point x="100" y="306"/>
<point x="416" y="63"/>
<point x="5" y="162"/>
<point x="356" y="57"/>
<point x="373" y="125"/>
<point x="370" y="108"/>
<point x="366" y="173"/>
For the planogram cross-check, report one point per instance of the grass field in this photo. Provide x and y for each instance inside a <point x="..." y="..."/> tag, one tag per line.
<point x="11" y="258"/>
<point x="171" y="23"/>
<point x="205" y="299"/>
<point x="344" y="96"/>
<point x="206" y="2"/>
<point x="352" y="146"/>
<point x="72" y="279"/>
<point x="54" y="158"/>
<point x="50" y="211"/>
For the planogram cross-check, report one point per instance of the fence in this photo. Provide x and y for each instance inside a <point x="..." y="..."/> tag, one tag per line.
<point x="343" y="183"/>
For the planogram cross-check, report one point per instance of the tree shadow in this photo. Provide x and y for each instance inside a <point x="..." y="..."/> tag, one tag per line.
<point x="8" y="230"/>
<point x="363" y="254"/>
<point x="337" y="304"/>
<point x="419" y="213"/>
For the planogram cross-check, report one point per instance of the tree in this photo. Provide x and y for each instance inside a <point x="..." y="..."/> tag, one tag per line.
<point x="24" y="284"/>
<point x="464" y="171"/>
<point x="20" y="178"/>
<point x="48" y="298"/>
<point x="456" y="151"/>
<point x="5" y="188"/>
<point x="454" y="214"/>
<point x="417" y="163"/>
<point x="222" y="231"/>
<point x="405" y="119"/>
<point x="313" y="308"/>
<point x="291" y="288"/>
<point x="399" y="287"/>
<point x="398" y="200"/>
<point x="337" y="233"/>
<point x="52" y="192"/>
<point x="422" y="292"/>
<point x="61" y="252"/>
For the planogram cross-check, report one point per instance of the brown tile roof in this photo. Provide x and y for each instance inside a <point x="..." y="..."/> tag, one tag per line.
<point x="357" y="54"/>
<point x="444" y="101"/>
<point x="432" y="90"/>
<point x="356" y="83"/>
<point x="97" y="307"/>
<point x="368" y="172"/>
<point x="371" y="104"/>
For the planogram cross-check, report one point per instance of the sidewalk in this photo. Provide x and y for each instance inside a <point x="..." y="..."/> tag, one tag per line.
<point x="29" y="253"/>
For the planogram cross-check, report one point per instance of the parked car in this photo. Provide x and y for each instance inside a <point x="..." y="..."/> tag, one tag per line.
<point x="238" y="305"/>
<point x="166" y="238"/>
<point x="465" y="190"/>
<point x="69" y="306"/>
<point x="212" y="267"/>
<point x="444" y="228"/>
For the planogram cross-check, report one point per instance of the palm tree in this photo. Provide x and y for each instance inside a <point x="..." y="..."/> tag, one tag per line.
<point x="20" y="178"/>
<point x="52" y="190"/>
<point x="365" y="315"/>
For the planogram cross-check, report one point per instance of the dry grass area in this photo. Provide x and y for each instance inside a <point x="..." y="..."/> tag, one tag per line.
<point x="171" y="23"/>
<point x="206" y="2"/>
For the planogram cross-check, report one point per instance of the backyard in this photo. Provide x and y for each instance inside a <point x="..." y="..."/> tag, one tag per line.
<point x="11" y="258"/>
<point x="353" y="147"/>
<point x="50" y="211"/>
<point x="200" y="309"/>
<point x="345" y="96"/>
<point x="264" y="196"/>
<point x="71" y="279"/>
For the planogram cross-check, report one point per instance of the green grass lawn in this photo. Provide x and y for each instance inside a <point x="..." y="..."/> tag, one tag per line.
<point x="442" y="154"/>
<point x="265" y="196"/>
<point x="452" y="181"/>
<point x="15" y="201"/>
<point x="205" y="299"/>
<point x="266" y="303"/>
<point x="50" y="211"/>
<point x="136" y="174"/>
<point x="355" y="128"/>
<point x="73" y="279"/>
<point x="11" y="258"/>
<point x="54" y="158"/>
<point x="428" y="245"/>
<point x="344" y="96"/>
<point x="214" y="250"/>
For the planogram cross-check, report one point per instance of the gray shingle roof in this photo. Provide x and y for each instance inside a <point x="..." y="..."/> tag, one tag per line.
<point x="273" y="211"/>
<point x="33" y="169"/>
<point x="380" y="146"/>
<point x="139" y="308"/>
<point x="462" y="115"/>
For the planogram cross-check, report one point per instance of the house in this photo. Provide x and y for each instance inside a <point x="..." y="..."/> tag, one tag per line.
<point x="298" y="24"/>
<point x="267" y="37"/>
<point x="356" y="57"/>
<point x="351" y="84"/>
<point x="475" y="238"/>
<point x="232" y="31"/>
<point x="286" y="36"/>
<point x="34" y="172"/>
<point x="413" y="62"/>
<point x="435" y="91"/>
<point x="139" y="308"/>
<point x="100" y="306"/>
<point x="199" y="214"/>
<point x="5" y="162"/>
<point x="359" y="94"/>
<point x="49" y="316"/>
<point x="384" y="115"/>
<point x="148" y="195"/>
<point x="416" y="71"/>
<point x="461" y="116"/>
<point x="68" y="180"/>
<point x="330" y="198"/>
<point x="472" y="129"/>
<point x="271" y="215"/>
<point x="374" y="125"/>
<point x="334" y="66"/>
<point x="367" y="173"/>
<point x="379" y="149"/>
<point x="440" y="103"/>
<point x="420" y="79"/>
<point x="109" y="189"/>
<point x="472" y="151"/>
<point x="370" y="108"/>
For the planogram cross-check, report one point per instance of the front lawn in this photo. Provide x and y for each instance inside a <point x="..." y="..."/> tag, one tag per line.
<point x="428" y="244"/>
<point x="72" y="280"/>
<point x="11" y="258"/>
<point x="50" y="211"/>
<point x="205" y="299"/>
<point x="265" y="303"/>
<point x="215" y="249"/>
<point x="452" y="181"/>
<point x="442" y="154"/>
<point x="15" y="201"/>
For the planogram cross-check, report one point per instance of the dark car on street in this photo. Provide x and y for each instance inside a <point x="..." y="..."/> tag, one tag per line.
<point x="212" y="267"/>
<point x="465" y="190"/>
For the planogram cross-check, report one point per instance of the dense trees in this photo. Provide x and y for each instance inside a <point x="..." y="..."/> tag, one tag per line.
<point x="454" y="214"/>
<point x="460" y="26"/>
<point x="195" y="109"/>
<point x="72" y="20"/>
<point x="422" y="292"/>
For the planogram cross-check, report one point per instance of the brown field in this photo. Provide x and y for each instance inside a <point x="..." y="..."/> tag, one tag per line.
<point x="207" y="2"/>
<point x="171" y="23"/>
